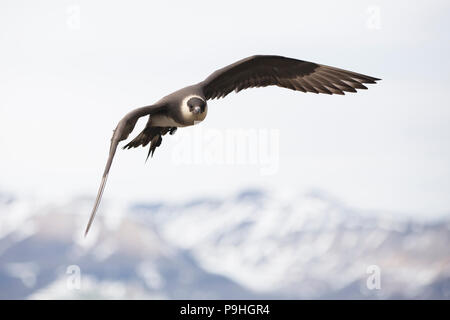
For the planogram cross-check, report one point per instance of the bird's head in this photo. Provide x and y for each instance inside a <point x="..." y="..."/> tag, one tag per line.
<point x="193" y="109"/>
<point x="196" y="105"/>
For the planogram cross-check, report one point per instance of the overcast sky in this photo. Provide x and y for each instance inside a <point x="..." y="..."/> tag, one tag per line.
<point x="69" y="70"/>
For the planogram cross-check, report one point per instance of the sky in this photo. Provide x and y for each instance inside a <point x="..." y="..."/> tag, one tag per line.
<point x="70" y="70"/>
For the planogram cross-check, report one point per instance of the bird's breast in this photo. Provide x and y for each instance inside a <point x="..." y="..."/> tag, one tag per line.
<point x="163" y="120"/>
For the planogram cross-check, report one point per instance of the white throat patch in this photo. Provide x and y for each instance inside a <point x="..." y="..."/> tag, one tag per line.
<point x="187" y="114"/>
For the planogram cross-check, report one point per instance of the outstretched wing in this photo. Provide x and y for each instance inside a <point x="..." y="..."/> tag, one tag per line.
<point x="263" y="70"/>
<point x="122" y="131"/>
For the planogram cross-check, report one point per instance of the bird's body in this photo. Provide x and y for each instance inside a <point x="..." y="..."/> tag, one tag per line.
<point x="188" y="106"/>
<point x="178" y="113"/>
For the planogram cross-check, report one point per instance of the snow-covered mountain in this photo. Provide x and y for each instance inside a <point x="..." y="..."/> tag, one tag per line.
<point x="255" y="244"/>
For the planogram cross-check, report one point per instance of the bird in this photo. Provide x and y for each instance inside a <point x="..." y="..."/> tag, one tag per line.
<point x="188" y="106"/>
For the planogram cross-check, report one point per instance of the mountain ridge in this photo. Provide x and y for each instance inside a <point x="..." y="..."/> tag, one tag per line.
<point x="253" y="244"/>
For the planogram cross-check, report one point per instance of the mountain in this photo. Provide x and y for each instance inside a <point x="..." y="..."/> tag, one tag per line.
<point x="255" y="244"/>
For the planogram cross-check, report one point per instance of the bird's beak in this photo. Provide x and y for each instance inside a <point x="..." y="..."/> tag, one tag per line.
<point x="197" y="110"/>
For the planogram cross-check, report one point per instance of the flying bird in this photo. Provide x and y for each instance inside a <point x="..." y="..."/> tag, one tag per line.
<point x="188" y="106"/>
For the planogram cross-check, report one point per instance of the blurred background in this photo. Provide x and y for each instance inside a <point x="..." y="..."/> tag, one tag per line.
<point x="278" y="194"/>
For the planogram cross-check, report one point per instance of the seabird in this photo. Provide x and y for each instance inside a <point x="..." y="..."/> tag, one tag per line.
<point x="188" y="106"/>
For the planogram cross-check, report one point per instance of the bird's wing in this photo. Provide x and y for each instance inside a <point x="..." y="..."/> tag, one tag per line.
<point x="263" y="70"/>
<point x="123" y="129"/>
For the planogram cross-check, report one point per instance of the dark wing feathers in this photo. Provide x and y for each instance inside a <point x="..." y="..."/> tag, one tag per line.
<point x="262" y="71"/>
<point x="152" y="135"/>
